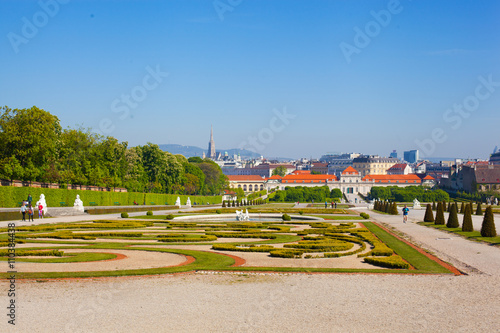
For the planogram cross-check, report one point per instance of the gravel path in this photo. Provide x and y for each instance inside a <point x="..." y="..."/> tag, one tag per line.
<point x="260" y="303"/>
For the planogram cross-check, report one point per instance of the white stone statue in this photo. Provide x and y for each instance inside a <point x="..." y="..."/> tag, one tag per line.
<point x="188" y="202"/>
<point x="178" y="202"/>
<point x="78" y="205"/>
<point x="43" y="203"/>
<point x="416" y="204"/>
<point x="240" y="216"/>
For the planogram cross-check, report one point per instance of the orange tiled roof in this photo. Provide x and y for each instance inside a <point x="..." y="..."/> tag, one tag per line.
<point x="350" y="171"/>
<point x="398" y="166"/>
<point x="428" y="178"/>
<point x="301" y="172"/>
<point x="411" y="178"/>
<point x="241" y="178"/>
<point x="274" y="177"/>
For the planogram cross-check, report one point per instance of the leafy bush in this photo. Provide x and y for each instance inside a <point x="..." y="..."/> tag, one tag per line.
<point x="301" y="212"/>
<point x="149" y="213"/>
<point x="479" y="211"/>
<point x="169" y="217"/>
<point x="365" y="216"/>
<point x="33" y="253"/>
<point x="217" y="211"/>
<point x="453" y="218"/>
<point x="281" y="253"/>
<point x="124" y="215"/>
<point x="286" y="217"/>
<point x="186" y="238"/>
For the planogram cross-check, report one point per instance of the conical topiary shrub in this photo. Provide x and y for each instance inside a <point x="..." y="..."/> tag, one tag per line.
<point x="234" y="203"/>
<point x="467" y="222"/>
<point x="394" y="209"/>
<point x="479" y="210"/>
<point x="223" y="203"/>
<point x="429" y="216"/>
<point x="449" y="206"/>
<point x="488" y="226"/>
<point x="434" y="205"/>
<point x="462" y="208"/>
<point x="388" y="208"/>
<point x="453" y="217"/>
<point x="439" y="214"/>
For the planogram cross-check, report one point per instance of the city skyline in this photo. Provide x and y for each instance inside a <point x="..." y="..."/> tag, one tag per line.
<point x="288" y="78"/>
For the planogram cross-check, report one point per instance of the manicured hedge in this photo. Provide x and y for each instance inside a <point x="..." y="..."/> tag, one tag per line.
<point x="10" y="197"/>
<point x="394" y="261"/>
<point x="250" y="248"/>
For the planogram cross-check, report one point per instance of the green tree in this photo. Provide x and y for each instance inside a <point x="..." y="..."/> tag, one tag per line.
<point x="195" y="159"/>
<point x="31" y="136"/>
<point x="394" y="209"/>
<point x="215" y="180"/>
<point x="429" y="216"/>
<point x="280" y="171"/>
<point x="453" y="217"/>
<point x="467" y="222"/>
<point x="462" y="208"/>
<point x="488" y="227"/>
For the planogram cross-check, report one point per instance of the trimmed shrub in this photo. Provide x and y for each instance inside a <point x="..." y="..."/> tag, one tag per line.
<point x="462" y="208"/>
<point x="394" y="209"/>
<point x="286" y="217"/>
<point x="243" y="248"/>
<point x="488" y="226"/>
<point x="280" y="253"/>
<point x="434" y="207"/>
<point x="394" y="261"/>
<point x="365" y="216"/>
<point x="301" y="212"/>
<point x="479" y="211"/>
<point x="224" y="204"/>
<point x="452" y="218"/>
<point x="467" y="222"/>
<point x="440" y="214"/>
<point x="124" y="215"/>
<point x="169" y="217"/>
<point x="429" y="216"/>
<point x="217" y="211"/>
<point x="149" y="213"/>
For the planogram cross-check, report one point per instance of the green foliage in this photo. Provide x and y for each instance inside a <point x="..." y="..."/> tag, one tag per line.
<point x="256" y="195"/>
<point x="218" y="211"/>
<point x="429" y="216"/>
<point x="33" y="253"/>
<point x="440" y="214"/>
<point x="467" y="221"/>
<point x="301" y="194"/>
<point x="243" y="248"/>
<point x="280" y="171"/>
<point x="149" y="213"/>
<point x="364" y="215"/>
<point x="394" y="209"/>
<point x="434" y="207"/>
<point x="488" y="227"/>
<point x="453" y="217"/>
<point x="169" y="217"/>
<point x="124" y="215"/>
<point x="394" y="261"/>
<point x="462" y="208"/>
<point x="286" y="217"/>
<point x="281" y="253"/>
<point x="407" y="194"/>
<point x="186" y="238"/>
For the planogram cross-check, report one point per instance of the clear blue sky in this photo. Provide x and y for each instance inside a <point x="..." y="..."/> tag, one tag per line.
<point x="232" y="66"/>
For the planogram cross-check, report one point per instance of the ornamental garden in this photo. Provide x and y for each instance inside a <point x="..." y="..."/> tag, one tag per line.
<point x="277" y="238"/>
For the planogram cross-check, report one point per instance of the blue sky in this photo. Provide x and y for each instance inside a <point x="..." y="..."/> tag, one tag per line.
<point x="283" y="77"/>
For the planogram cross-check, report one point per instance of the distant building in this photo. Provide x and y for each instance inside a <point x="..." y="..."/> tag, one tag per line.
<point x="394" y="154"/>
<point x="321" y="168"/>
<point x="495" y="157"/>
<point x="211" y="145"/>
<point x="399" y="169"/>
<point x="373" y="165"/>
<point x="411" y="156"/>
<point x="338" y="162"/>
<point x="481" y="177"/>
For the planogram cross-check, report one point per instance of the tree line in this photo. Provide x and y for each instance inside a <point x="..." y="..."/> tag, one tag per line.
<point x="34" y="147"/>
<point x="306" y="194"/>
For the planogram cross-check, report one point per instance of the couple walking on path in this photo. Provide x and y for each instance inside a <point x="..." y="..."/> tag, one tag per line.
<point x="27" y="208"/>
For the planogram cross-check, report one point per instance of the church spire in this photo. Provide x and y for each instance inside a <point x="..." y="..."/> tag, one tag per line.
<point x="211" y="144"/>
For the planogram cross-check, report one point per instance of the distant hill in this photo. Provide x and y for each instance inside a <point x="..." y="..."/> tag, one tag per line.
<point x="190" y="151"/>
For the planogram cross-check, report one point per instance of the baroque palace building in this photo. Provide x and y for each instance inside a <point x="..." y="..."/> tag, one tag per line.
<point x="350" y="181"/>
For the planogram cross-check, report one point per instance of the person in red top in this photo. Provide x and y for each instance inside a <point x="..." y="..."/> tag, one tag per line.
<point x="40" y="211"/>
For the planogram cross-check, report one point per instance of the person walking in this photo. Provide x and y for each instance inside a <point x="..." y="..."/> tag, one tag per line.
<point x="332" y="204"/>
<point x="40" y="211"/>
<point x="30" y="213"/>
<point x="30" y="199"/>
<point x="23" y="211"/>
<point x="335" y="205"/>
<point x="326" y="205"/>
<point x="405" y="214"/>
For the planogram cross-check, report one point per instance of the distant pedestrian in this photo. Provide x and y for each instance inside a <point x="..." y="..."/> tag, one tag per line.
<point x="326" y="205"/>
<point x="335" y="205"/>
<point x="405" y="214"/>
<point x="23" y="211"/>
<point x="30" y="199"/>
<point x="40" y="211"/>
<point x="30" y="213"/>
